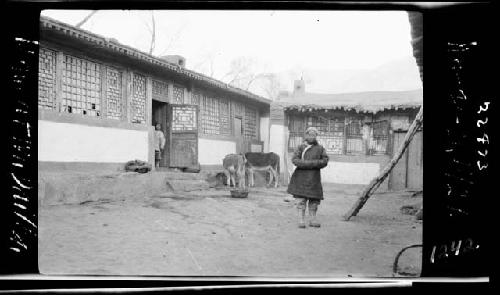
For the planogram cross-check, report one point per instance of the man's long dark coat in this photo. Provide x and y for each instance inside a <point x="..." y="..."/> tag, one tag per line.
<point x="306" y="179"/>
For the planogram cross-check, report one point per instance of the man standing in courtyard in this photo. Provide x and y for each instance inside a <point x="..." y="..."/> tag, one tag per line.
<point x="305" y="184"/>
<point x="159" y="138"/>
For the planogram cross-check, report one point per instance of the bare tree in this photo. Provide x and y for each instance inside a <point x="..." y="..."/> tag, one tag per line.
<point x="206" y="65"/>
<point x="155" y="31"/>
<point x="82" y="22"/>
<point x="243" y="72"/>
<point x="173" y="39"/>
<point x="152" y="31"/>
<point x="271" y="85"/>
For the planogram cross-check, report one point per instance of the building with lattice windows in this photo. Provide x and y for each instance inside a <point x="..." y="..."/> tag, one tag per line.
<point x="360" y="132"/>
<point x="99" y="101"/>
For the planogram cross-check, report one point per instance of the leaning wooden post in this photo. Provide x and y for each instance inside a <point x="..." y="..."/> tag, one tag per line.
<point x="375" y="183"/>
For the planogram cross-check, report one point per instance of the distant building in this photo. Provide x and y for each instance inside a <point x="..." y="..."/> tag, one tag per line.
<point x="98" y="101"/>
<point x="360" y="132"/>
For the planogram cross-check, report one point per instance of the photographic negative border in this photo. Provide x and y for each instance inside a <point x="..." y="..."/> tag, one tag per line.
<point x="456" y="232"/>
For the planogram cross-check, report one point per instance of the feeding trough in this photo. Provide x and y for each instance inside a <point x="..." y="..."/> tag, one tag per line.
<point x="239" y="193"/>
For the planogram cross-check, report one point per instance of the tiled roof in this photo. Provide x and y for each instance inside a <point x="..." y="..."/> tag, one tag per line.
<point x="365" y="102"/>
<point x="49" y="24"/>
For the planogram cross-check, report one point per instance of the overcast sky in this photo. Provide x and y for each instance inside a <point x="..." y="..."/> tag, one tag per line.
<point x="277" y="40"/>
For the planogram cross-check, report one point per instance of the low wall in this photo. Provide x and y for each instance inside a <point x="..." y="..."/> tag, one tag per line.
<point x="351" y="169"/>
<point x="65" y="187"/>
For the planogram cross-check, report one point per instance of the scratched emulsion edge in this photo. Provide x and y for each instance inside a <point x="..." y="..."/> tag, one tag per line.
<point x="458" y="246"/>
<point x="21" y="231"/>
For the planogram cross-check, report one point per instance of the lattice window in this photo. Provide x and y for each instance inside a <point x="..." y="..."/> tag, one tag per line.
<point x="319" y="123"/>
<point x="250" y="129"/>
<point x="354" y="137"/>
<point x="331" y="132"/>
<point x="336" y="126"/>
<point x="183" y="118"/>
<point x="113" y="93"/>
<point x="225" y="125"/>
<point x="160" y="90"/>
<point x="197" y="99"/>
<point x="333" y="139"/>
<point x="380" y="138"/>
<point x="178" y="95"/>
<point x="210" y="116"/>
<point x="46" y="78"/>
<point x="81" y="86"/>
<point x="138" y="103"/>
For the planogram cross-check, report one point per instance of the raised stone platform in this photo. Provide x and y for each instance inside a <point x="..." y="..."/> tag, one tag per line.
<point x="77" y="187"/>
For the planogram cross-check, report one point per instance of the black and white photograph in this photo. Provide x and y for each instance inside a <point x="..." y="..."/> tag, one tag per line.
<point x="254" y="143"/>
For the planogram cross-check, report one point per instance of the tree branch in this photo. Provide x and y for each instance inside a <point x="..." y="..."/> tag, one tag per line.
<point x="375" y="183"/>
<point x="153" y="33"/>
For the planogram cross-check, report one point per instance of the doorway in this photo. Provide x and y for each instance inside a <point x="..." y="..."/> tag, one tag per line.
<point x="160" y="115"/>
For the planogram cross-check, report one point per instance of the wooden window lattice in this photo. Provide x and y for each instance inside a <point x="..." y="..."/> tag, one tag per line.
<point x="138" y="103"/>
<point x="160" y="90"/>
<point x="334" y="134"/>
<point x="183" y="118"/>
<point x="354" y="137"/>
<point x="319" y="123"/>
<point x="250" y="127"/>
<point x="210" y="116"/>
<point x="196" y="99"/>
<point x="178" y="95"/>
<point x="225" y="125"/>
<point x="46" y="78"/>
<point x="333" y="137"/>
<point x="331" y="132"/>
<point x="81" y="86"/>
<point x="113" y="93"/>
<point x="380" y="138"/>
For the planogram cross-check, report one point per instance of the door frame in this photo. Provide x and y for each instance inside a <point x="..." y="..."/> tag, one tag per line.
<point x="164" y="121"/>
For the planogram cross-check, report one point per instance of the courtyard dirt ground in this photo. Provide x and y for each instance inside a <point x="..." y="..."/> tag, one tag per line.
<point x="208" y="233"/>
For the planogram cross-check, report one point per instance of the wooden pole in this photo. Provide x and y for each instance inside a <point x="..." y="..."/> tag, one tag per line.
<point x="375" y="183"/>
<point x="82" y="22"/>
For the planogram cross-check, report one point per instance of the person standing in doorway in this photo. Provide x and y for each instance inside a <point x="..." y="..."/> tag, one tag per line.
<point x="305" y="183"/>
<point x="159" y="138"/>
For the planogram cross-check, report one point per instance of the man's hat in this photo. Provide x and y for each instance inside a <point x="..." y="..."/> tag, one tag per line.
<point x="312" y="130"/>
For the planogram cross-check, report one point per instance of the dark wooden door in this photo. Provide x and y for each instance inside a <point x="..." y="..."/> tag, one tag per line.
<point x="397" y="179"/>
<point x="183" y="135"/>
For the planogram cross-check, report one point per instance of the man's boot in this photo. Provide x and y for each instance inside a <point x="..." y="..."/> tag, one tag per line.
<point x="302" y="222"/>
<point x="312" y="214"/>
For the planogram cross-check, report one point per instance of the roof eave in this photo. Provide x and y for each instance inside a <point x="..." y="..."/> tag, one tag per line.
<point x="67" y="31"/>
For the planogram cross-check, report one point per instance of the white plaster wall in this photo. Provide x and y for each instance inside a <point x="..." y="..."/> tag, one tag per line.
<point x="211" y="151"/>
<point x="264" y="132"/>
<point x="256" y="148"/>
<point x="350" y="173"/>
<point x="66" y="142"/>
